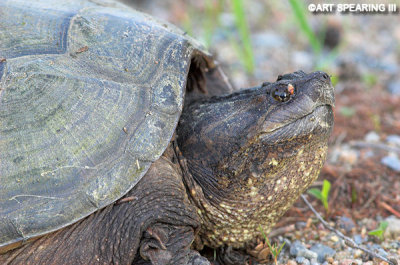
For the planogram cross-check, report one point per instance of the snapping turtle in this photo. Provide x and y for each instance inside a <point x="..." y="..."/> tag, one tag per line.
<point x="95" y="167"/>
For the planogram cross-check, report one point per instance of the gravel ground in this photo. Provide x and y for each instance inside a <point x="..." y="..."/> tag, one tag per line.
<point x="363" y="54"/>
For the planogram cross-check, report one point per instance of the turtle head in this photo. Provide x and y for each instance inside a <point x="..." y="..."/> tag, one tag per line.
<point x="293" y="109"/>
<point x="298" y="105"/>
<point x="257" y="150"/>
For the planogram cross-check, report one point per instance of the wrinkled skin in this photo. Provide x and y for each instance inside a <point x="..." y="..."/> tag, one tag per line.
<point x="237" y="162"/>
<point x="251" y="156"/>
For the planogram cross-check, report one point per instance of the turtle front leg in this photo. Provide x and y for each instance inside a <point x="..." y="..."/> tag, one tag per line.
<point x="168" y="239"/>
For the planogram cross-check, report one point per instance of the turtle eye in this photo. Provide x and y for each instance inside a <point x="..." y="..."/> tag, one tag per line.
<point x="283" y="94"/>
<point x="280" y="95"/>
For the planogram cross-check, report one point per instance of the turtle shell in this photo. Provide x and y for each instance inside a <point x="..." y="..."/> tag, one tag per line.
<point x="90" y="95"/>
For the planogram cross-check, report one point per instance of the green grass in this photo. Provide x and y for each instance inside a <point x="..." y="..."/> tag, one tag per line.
<point x="376" y="121"/>
<point x="275" y="249"/>
<point x="322" y="194"/>
<point x="211" y="22"/>
<point x="241" y="38"/>
<point x="246" y="49"/>
<point x="380" y="230"/>
<point x="212" y="12"/>
<point x="354" y="195"/>
<point x="300" y="12"/>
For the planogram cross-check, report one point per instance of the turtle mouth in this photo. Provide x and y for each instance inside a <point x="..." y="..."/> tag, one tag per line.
<point x="321" y="116"/>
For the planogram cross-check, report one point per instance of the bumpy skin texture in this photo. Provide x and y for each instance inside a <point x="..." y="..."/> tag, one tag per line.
<point x="249" y="157"/>
<point x="239" y="161"/>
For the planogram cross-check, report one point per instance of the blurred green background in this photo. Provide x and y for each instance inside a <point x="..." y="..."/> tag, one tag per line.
<point x="257" y="40"/>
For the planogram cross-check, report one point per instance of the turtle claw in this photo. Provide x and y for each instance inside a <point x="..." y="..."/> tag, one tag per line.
<point x="164" y="244"/>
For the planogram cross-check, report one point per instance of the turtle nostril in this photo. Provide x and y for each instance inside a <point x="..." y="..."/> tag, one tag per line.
<point x="326" y="76"/>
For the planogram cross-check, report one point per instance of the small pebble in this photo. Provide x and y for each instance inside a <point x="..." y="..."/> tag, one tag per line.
<point x="391" y="161"/>
<point x="395" y="245"/>
<point x="369" y="153"/>
<point x="350" y="262"/>
<point x="372" y="137"/>
<point x="348" y="155"/>
<point x="291" y="262"/>
<point x="394" y="87"/>
<point x="346" y="223"/>
<point x="307" y="254"/>
<point x="393" y="139"/>
<point x="299" y="250"/>
<point x="341" y="255"/>
<point x="302" y="260"/>
<point x="330" y="260"/>
<point x="358" y="239"/>
<point x="378" y="249"/>
<point x="357" y="253"/>
<point x="295" y="247"/>
<point x="393" y="228"/>
<point x="334" y="239"/>
<point x="300" y="225"/>
<point x="322" y="251"/>
<point x="346" y="262"/>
